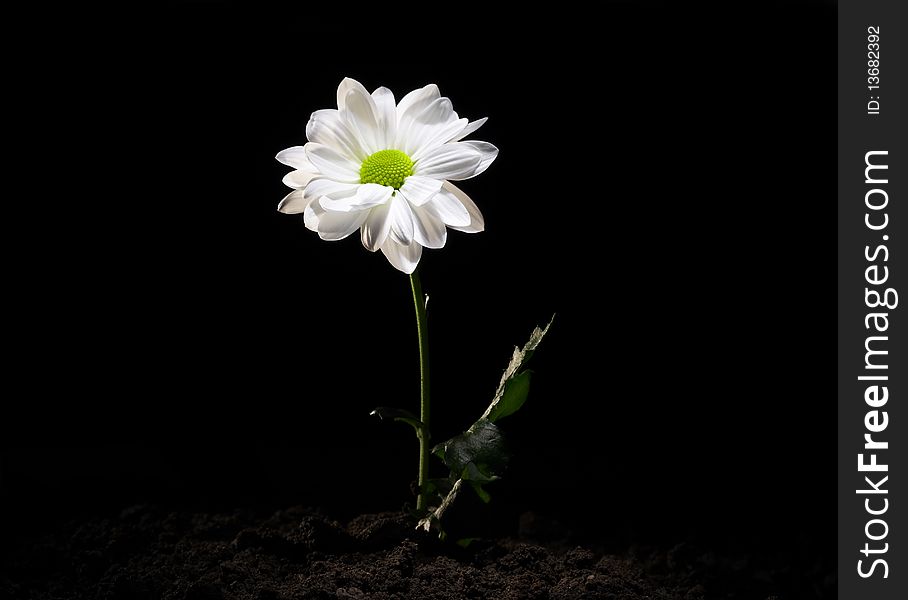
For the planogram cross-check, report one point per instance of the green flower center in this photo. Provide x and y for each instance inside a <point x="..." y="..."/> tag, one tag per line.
<point x="386" y="167"/>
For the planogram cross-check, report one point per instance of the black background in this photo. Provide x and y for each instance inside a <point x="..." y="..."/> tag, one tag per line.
<point x="665" y="185"/>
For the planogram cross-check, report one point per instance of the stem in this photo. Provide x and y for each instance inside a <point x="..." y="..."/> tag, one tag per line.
<point x="419" y="302"/>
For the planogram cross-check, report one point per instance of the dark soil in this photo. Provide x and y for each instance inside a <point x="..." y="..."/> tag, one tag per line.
<point x="149" y="553"/>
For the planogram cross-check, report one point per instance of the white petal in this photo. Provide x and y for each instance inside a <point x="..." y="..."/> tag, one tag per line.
<point x="430" y="138"/>
<point x="295" y="157"/>
<point x="417" y="100"/>
<point x="332" y="164"/>
<point x="333" y="189"/>
<point x="293" y="203"/>
<point x="345" y="86"/>
<point x="449" y="209"/>
<point x="298" y="179"/>
<point x="376" y="226"/>
<point x="437" y="112"/>
<point x="450" y="161"/>
<point x="367" y="195"/>
<point x="326" y="127"/>
<point x="488" y="152"/>
<point x="311" y="215"/>
<point x="360" y="115"/>
<point x="386" y="114"/>
<point x="419" y="190"/>
<point x="473" y="126"/>
<point x="334" y="226"/>
<point x="404" y="258"/>
<point x="401" y="218"/>
<point x="429" y="230"/>
<point x="418" y="129"/>
<point x="477" y="222"/>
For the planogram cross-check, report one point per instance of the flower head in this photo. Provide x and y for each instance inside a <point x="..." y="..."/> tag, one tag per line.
<point x="385" y="169"/>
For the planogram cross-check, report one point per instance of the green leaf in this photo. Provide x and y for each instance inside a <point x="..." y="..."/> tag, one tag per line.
<point x="473" y="473"/>
<point x="515" y="394"/>
<point x="399" y="414"/>
<point x="441" y="487"/>
<point x="483" y="495"/>
<point x="479" y="455"/>
<point x="500" y="406"/>
<point x="465" y="542"/>
<point x="433" y="519"/>
<point x="481" y="444"/>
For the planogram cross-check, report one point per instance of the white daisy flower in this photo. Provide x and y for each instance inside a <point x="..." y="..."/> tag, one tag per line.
<point x="386" y="170"/>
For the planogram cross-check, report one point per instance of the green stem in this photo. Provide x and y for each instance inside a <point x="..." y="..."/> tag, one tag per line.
<point x="419" y="301"/>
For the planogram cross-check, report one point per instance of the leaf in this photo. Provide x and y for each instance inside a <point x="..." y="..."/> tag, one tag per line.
<point x="479" y="455"/>
<point x="465" y="542"/>
<point x="500" y="407"/>
<point x="398" y="414"/>
<point x="515" y="394"/>
<point x="482" y="444"/>
<point x="439" y="487"/>
<point x="483" y="495"/>
<point x="435" y="516"/>
<point x="473" y="473"/>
